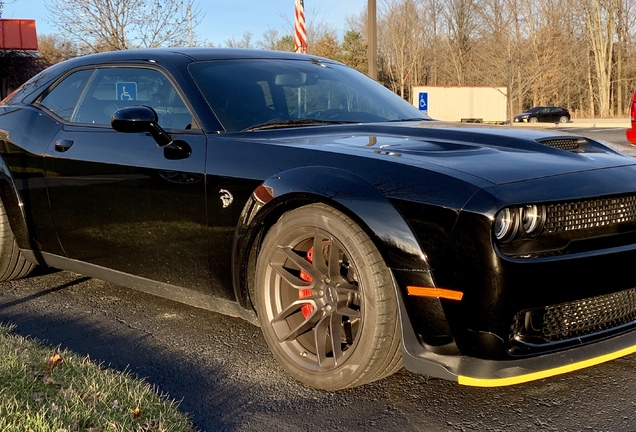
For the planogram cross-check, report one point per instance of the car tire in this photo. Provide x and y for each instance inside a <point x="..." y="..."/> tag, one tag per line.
<point x="533" y="120"/>
<point x="12" y="263"/>
<point x="563" y="119"/>
<point x="302" y="296"/>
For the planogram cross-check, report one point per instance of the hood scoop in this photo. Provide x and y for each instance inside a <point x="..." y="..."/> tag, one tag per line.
<point x="576" y="145"/>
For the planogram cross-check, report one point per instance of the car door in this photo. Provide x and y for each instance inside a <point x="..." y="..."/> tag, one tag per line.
<point x="553" y="115"/>
<point x="120" y="202"/>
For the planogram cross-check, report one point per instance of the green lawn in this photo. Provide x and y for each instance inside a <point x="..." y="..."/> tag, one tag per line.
<point x="43" y="389"/>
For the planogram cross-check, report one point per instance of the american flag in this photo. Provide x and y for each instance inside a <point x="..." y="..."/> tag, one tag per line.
<point x="300" y="33"/>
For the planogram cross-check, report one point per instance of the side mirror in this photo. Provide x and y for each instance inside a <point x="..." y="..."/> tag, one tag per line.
<point x="140" y="118"/>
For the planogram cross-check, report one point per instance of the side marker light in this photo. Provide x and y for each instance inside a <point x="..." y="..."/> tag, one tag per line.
<point x="434" y="292"/>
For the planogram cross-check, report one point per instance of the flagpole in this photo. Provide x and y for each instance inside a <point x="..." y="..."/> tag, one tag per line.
<point x="300" y="32"/>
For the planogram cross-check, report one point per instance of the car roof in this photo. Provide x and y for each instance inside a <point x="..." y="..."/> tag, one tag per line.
<point x="545" y="106"/>
<point x="161" y="55"/>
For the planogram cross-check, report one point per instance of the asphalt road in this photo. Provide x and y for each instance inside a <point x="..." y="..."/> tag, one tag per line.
<point x="221" y="370"/>
<point x="613" y="136"/>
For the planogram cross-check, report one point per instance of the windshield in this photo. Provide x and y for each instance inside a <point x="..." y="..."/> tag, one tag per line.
<point x="250" y="93"/>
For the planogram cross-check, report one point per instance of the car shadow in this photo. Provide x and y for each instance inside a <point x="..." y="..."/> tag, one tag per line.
<point x="116" y="345"/>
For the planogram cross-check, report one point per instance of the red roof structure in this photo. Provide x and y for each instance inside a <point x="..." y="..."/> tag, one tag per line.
<point x="18" y="34"/>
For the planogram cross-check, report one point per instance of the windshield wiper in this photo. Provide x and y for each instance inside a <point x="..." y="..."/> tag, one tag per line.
<point x="278" y="124"/>
<point x="410" y="119"/>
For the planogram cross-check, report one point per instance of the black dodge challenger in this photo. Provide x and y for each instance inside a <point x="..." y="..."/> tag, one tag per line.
<point x="300" y="195"/>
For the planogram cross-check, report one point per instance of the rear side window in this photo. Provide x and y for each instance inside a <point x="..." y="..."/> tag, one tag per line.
<point x="62" y="100"/>
<point x="97" y="93"/>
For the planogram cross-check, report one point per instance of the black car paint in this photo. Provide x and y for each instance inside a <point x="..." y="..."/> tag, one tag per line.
<point x="425" y="193"/>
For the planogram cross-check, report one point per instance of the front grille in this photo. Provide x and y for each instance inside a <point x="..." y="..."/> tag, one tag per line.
<point x="576" y="319"/>
<point x="565" y="143"/>
<point x="590" y="214"/>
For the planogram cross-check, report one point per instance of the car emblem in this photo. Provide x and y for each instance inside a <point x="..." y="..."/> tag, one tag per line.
<point x="226" y="197"/>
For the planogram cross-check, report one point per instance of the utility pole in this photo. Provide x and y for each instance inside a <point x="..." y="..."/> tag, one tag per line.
<point x="190" y="32"/>
<point x="372" y="36"/>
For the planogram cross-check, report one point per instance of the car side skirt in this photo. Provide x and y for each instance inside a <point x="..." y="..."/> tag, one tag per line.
<point x="476" y="372"/>
<point x="160" y="289"/>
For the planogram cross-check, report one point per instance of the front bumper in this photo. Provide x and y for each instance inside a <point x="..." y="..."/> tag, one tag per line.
<point x="476" y="372"/>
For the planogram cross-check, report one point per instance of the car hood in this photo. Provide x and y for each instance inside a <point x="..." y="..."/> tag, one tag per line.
<point x="496" y="154"/>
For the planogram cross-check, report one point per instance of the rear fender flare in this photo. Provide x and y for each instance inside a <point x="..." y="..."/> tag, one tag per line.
<point x="13" y="206"/>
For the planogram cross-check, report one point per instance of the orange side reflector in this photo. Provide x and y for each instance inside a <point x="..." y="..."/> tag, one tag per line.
<point x="434" y="292"/>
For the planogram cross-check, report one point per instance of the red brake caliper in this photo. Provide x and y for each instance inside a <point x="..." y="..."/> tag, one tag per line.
<point x="303" y="293"/>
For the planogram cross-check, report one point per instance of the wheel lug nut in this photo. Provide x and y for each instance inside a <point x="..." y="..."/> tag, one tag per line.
<point x="321" y="293"/>
<point x="328" y="308"/>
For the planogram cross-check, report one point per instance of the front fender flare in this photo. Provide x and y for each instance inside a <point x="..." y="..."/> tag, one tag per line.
<point x="341" y="189"/>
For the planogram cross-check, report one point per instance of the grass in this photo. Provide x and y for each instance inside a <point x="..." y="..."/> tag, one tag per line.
<point x="45" y="390"/>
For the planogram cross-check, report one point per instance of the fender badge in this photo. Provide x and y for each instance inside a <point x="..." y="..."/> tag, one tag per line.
<point x="226" y="197"/>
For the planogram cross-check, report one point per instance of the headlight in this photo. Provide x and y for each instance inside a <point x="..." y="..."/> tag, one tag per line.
<point x="518" y="222"/>
<point x="505" y="225"/>
<point x="532" y="217"/>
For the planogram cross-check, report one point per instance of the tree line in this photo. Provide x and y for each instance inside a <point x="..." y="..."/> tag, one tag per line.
<point x="578" y="54"/>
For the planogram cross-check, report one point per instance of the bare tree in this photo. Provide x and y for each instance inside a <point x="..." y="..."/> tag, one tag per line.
<point x="121" y="24"/>
<point x="546" y="41"/>
<point x="600" y="18"/>
<point x="498" y="55"/>
<point x="433" y="50"/>
<point x="272" y="40"/>
<point x="623" y="77"/>
<point x="626" y="72"/>
<point x="460" y="16"/>
<point x="245" y="42"/>
<point x="399" y="33"/>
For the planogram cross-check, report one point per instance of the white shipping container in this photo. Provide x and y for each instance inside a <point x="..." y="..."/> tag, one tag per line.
<point x="485" y="104"/>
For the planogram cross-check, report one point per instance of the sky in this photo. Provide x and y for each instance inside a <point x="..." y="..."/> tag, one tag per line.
<point x="224" y="19"/>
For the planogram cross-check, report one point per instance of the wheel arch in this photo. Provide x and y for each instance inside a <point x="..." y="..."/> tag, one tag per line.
<point x="14" y="206"/>
<point x="343" y="190"/>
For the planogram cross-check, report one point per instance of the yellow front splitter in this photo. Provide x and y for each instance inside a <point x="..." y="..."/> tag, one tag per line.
<point x="518" y="379"/>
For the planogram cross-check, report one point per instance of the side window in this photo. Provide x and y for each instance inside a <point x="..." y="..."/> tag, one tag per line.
<point x="111" y="88"/>
<point x="62" y="100"/>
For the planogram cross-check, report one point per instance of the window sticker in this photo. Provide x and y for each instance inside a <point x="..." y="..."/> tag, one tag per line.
<point x="126" y="91"/>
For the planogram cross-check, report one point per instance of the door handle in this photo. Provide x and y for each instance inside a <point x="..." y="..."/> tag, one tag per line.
<point x="62" y="145"/>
